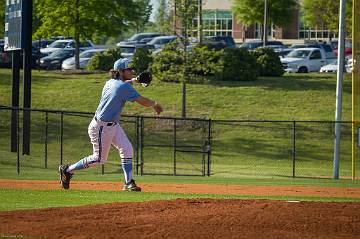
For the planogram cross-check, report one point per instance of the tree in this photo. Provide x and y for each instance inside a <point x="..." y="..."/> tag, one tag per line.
<point x="280" y="12"/>
<point x="2" y="18"/>
<point x="325" y="14"/>
<point x="144" y="9"/>
<point x="186" y="11"/>
<point x="81" y="19"/>
<point x="163" y="18"/>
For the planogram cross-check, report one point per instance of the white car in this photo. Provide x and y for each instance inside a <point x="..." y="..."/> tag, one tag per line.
<point x="349" y="64"/>
<point x="331" y="67"/>
<point x="66" y="43"/>
<point x="303" y="60"/>
<point x="84" y="58"/>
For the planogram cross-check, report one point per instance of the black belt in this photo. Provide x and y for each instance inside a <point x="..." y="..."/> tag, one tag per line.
<point x="108" y="123"/>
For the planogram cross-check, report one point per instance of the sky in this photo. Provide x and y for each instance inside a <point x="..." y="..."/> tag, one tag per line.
<point x="155" y="4"/>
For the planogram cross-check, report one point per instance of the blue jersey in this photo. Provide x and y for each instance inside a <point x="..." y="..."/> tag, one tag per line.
<point x="113" y="99"/>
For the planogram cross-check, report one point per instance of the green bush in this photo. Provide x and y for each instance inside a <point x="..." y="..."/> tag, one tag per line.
<point x="203" y="61"/>
<point x="167" y="65"/>
<point x="105" y="60"/>
<point x="268" y="61"/>
<point x="141" y="60"/>
<point x="239" y="65"/>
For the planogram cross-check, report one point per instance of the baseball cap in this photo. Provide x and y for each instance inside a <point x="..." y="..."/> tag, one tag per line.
<point x="122" y="64"/>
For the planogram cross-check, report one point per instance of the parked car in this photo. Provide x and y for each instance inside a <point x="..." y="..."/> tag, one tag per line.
<point x="55" y="59"/>
<point x="331" y="67"/>
<point x="66" y="43"/>
<point x="145" y="40"/>
<point x="349" y="64"/>
<point x="284" y="52"/>
<point x="326" y="47"/>
<point x="304" y="60"/>
<point x="159" y="42"/>
<point x="42" y="43"/>
<point x="84" y="58"/>
<point x="128" y="51"/>
<point x="348" y="47"/>
<point x="219" y="42"/>
<point x="135" y="39"/>
<point x="5" y="57"/>
<point x="251" y="45"/>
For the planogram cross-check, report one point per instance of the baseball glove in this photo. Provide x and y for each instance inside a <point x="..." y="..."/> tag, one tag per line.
<point x="145" y="78"/>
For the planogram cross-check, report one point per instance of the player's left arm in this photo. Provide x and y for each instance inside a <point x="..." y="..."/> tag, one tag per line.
<point x="149" y="103"/>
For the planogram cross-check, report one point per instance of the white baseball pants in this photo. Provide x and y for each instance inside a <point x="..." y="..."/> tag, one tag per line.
<point x="102" y="136"/>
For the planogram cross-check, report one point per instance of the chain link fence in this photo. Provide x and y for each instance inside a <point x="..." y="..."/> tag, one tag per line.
<point x="176" y="146"/>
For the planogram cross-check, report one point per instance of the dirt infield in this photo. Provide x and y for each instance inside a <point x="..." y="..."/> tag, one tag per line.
<point x="191" y="218"/>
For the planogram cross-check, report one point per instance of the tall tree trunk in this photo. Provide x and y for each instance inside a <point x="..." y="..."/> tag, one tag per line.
<point x="243" y="33"/>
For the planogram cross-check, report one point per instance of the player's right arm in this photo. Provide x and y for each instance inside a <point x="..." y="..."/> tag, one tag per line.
<point x="149" y="103"/>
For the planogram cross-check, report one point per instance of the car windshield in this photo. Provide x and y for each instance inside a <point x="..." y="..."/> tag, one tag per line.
<point x="60" y="53"/>
<point x="58" y="44"/>
<point x="88" y="54"/>
<point x="299" y="54"/>
<point x="251" y="45"/>
<point x="127" y="49"/>
<point x="138" y="37"/>
<point x="160" y="40"/>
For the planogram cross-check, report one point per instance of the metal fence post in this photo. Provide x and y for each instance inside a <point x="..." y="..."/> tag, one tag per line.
<point x="174" y="146"/>
<point x="209" y="147"/>
<point x="141" y="146"/>
<point x="61" y="136"/>
<point x="294" y="149"/>
<point x="18" y="142"/>
<point x="137" y="143"/>
<point x="46" y="137"/>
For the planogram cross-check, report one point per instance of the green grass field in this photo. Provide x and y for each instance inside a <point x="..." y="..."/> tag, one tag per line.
<point x="248" y="153"/>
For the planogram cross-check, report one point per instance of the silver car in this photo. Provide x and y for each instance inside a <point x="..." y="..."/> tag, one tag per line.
<point x="84" y="58"/>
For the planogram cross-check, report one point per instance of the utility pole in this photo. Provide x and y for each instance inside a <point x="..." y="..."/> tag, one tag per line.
<point x="340" y="75"/>
<point x="265" y="36"/>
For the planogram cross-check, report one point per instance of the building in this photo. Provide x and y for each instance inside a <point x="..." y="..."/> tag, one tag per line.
<point x="219" y="20"/>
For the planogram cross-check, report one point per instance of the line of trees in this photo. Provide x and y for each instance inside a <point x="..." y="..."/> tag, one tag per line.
<point x="91" y="19"/>
<point x="85" y="19"/>
<point x="94" y="18"/>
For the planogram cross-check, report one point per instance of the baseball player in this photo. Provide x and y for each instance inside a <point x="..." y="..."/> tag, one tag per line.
<point x="105" y="130"/>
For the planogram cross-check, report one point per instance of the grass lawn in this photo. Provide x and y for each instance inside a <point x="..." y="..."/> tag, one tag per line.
<point x="59" y="198"/>
<point x="244" y="150"/>
<point x="246" y="153"/>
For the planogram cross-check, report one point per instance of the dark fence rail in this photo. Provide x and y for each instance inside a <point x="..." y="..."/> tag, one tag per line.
<point x="177" y="146"/>
<point x="63" y="132"/>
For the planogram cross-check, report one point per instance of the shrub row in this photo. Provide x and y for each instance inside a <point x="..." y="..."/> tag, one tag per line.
<point x="175" y="64"/>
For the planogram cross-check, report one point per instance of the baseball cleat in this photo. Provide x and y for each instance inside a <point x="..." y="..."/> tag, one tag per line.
<point x="131" y="186"/>
<point x="64" y="176"/>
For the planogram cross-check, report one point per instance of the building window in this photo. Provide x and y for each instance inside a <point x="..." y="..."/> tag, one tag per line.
<point x="258" y="31"/>
<point x="318" y="33"/>
<point x="217" y="23"/>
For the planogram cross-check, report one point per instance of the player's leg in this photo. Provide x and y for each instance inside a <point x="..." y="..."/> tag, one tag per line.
<point x="101" y="139"/>
<point x="123" y="144"/>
